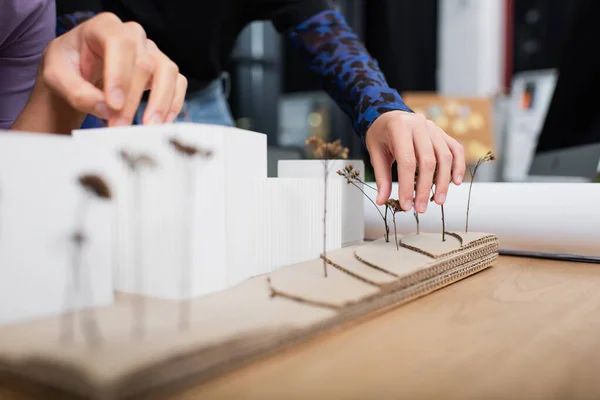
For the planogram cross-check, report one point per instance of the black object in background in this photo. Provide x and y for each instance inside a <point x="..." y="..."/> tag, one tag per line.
<point x="70" y="6"/>
<point x="402" y="36"/>
<point x="573" y="118"/>
<point x="540" y="30"/>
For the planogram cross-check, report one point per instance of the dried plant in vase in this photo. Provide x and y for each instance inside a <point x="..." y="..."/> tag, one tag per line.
<point x="489" y="156"/>
<point x="136" y="163"/>
<point x="394" y="206"/>
<point x="353" y="178"/>
<point x="94" y="186"/>
<point x="326" y="152"/>
<point x="189" y="154"/>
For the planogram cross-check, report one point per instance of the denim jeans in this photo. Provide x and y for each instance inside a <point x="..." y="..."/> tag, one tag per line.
<point x="206" y="106"/>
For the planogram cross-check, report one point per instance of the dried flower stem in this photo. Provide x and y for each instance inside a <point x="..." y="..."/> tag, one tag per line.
<point x="186" y="270"/>
<point x="489" y="156"/>
<point x="395" y="231"/>
<point x="394" y="207"/>
<point x="352" y="176"/>
<point x="138" y="300"/>
<point x="417" y="219"/>
<point x="443" y="224"/>
<point x="384" y="217"/>
<point x="443" y="220"/>
<point x="89" y="326"/>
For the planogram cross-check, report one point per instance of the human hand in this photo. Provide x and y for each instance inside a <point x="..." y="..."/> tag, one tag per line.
<point x="412" y="140"/>
<point x="103" y="66"/>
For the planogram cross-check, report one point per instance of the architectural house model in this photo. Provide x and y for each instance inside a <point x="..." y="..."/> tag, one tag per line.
<point x="243" y="223"/>
<point x="186" y="212"/>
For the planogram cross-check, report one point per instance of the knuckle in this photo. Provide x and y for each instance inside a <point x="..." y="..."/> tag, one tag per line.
<point x="428" y="162"/>
<point x="408" y="162"/>
<point x="107" y="17"/>
<point x="133" y="28"/>
<point x="173" y="68"/>
<point x="446" y="157"/>
<point x="145" y="66"/>
<point x="182" y="82"/>
<point x="152" y="48"/>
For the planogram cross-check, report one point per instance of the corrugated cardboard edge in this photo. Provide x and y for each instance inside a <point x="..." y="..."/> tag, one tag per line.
<point x="211" y="361"/>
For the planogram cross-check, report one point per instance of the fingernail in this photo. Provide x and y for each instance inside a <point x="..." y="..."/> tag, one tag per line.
<point x="421" y="207"/>
<point x="407" y="205"/>
<point x="459" y="179"/>
<point x="102" y="110"/>
<point x="122" y="122"/>
<point x="117" y="98"/>
<point x="155" y="118"/>
<point x="441" y="197"/>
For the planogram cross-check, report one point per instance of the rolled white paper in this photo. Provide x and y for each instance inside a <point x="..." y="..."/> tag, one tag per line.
<point x="545" y="217"/>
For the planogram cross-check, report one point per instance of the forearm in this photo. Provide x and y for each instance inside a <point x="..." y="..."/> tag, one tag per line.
<point x="348" y="72"/>
<point x="47" y="113"/>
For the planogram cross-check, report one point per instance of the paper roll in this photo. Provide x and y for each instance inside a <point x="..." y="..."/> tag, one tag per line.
<point x="544" y="217"/>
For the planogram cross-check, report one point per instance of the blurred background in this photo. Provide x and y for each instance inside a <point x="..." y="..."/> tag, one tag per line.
<point x="458" y="61"/>
<point x="485" y="71"/>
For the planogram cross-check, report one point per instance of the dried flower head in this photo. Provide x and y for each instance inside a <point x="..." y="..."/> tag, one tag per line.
<point x="349" y="173"/>
<point x="327" y="151"/>
<point x="78" y="238"/>
<point x="189" y="150"/>
<point x="134" y="161"/>
<point x="95" y="185"/>
<point x="394" y="205"/>
<point x="489" y="156"/>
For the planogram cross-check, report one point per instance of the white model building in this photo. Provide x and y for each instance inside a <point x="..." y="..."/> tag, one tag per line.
<point x="42" y="206"/>
<point x="241" y="223"/>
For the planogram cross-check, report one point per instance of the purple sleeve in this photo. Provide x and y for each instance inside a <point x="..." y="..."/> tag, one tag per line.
<point x="26" y="28"/>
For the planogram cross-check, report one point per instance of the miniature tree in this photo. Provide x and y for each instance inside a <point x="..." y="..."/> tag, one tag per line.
<point x="326" y="152"/>
<point x="489" y="156"/>
<point x="94" y="186"/>
<point x="188" y="153"/>
<point x="395" y="207"/>
<point x="136" y="163"/>
<point x="353" y="178"/>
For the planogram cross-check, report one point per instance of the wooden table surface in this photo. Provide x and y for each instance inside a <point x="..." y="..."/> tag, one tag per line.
<point x="526" y="328"/>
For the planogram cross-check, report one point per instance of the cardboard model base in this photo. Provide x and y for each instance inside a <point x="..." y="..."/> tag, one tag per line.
<point x="233" y="327"/>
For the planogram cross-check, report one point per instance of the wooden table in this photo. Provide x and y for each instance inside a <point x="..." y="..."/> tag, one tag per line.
<point x="525" y="329"/>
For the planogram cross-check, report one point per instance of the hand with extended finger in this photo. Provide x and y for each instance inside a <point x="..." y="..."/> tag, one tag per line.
<point x="413" y="141"/>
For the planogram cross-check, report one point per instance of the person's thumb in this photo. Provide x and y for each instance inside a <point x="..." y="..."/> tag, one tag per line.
<point x="62" y="77"/>
<point x="382" y="167"/>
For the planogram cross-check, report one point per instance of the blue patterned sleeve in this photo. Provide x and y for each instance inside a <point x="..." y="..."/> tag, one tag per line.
<point x="349" y="74"/>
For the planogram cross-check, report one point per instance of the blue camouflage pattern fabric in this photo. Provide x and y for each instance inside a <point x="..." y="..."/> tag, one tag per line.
<point x="349" y="74"/>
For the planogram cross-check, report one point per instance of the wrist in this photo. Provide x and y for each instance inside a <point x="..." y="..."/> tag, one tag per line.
<point x="46" y="112"/>
<point x="372" y="114"/>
